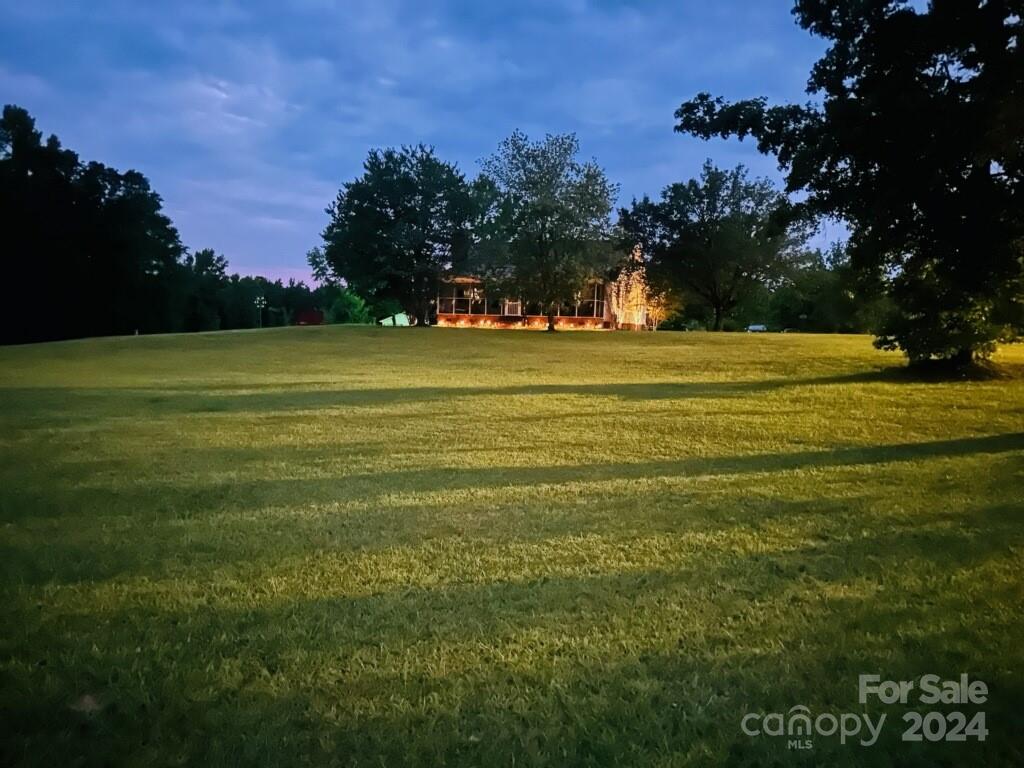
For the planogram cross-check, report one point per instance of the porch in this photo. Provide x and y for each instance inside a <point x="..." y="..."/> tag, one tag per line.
<point x="462" y="302"/>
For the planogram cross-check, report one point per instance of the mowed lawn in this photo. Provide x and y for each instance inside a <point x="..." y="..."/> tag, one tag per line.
<point x="448" y="547"/>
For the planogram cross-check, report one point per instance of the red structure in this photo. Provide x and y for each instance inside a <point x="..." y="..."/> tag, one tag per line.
<point x="309" y="317"/>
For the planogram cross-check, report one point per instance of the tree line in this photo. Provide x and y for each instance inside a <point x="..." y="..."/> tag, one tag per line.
<point x="721" y="251"/>
<point x="88" y="251"/>
<point x="536" y="223"/>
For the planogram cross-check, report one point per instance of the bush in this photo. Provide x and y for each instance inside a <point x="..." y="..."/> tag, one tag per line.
<point x="348" y="307"/>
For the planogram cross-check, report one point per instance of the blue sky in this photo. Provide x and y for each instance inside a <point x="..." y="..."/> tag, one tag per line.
<point x="248" y="115"/>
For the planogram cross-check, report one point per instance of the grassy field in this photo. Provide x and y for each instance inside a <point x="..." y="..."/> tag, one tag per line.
<point x="444" y="547"/>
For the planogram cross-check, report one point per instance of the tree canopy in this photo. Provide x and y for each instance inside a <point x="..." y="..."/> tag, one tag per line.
<point x="915" y="142"/>
<point x="549" y="228"/>
<point x="398" y="227"/>
<point x="88" y="251"/>
<point x="715" y="238"/>
<point x="96" y="238"/>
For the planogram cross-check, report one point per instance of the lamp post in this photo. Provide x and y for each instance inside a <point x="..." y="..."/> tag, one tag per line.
<point x="260" y="303"/>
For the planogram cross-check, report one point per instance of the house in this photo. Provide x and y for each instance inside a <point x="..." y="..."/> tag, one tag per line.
<point x="462" y="301"/>
<point x="619" y="302"/>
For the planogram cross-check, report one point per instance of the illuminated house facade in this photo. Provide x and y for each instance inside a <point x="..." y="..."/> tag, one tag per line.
<point x="602" y="304"/>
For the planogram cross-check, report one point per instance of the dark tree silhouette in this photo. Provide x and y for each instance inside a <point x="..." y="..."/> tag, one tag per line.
<point x="917" y="144"/>
<point x="95" y="238"/>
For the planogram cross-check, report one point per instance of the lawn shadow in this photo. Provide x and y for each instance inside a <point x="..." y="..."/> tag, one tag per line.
<point x="534" y="671"/>
<point x="263" y="399"/>
<point x="369" y="485"/>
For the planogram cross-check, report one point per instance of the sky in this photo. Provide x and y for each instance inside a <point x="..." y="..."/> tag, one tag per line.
<point x="248" y="115"/>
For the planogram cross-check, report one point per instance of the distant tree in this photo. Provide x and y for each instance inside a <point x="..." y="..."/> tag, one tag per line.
<point x="818" y="293"/>
<point x="239" y="308"/>
<point x="398" y="228"/>
<point x="547" y="228"/>
<point x="917" y="144"/>
<point x="237" y="302"/>
<point x="662" y="305"/>
<point x="321" y="269"/>
<point x="715" y="238"/>
<point x="297" y="297"/>
<point x="206" y="271"/>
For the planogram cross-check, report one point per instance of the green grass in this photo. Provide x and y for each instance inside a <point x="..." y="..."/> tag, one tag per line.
<point x="405" y="547"/>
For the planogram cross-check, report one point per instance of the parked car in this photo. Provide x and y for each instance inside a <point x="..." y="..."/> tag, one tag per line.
<point x="757" y="328"/>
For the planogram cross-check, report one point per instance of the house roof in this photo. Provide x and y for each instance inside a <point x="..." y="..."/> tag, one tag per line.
<point x="470" y="280"/>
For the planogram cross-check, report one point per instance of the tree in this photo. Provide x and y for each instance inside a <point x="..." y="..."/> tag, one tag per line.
<point x="397" y="228"/>
<point x="207" y="273"/>
<point x="237" y="301"/>
<point x="715" y="238"/>
<point x="818" y="293"/>
<point x="96" y="238"/>
<point x="916" y="144"/>
<point x="321" y="269"/>
<point x="549" y="228"/>
<point x="348" y="307"/>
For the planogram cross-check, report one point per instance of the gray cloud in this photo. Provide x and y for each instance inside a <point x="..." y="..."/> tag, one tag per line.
<point x="248" y="116"/>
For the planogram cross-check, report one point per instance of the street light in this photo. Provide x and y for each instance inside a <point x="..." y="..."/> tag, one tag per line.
<point x="260" y="303"/>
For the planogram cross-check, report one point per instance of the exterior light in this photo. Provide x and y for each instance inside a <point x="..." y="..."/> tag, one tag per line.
<point x="260" y="303"/>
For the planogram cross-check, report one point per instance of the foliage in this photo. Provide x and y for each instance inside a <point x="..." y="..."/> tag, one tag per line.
<point x="96" y="238"/>
<point x="206" y="271"/>
<point x="360" y="548"/>
<point x="916" y="143"/>
<point x="319" y="266"/>
<point x="547" y="228"/>
<point x="716" y="238"/>
<point x="662" y="305"/>
<point x="110" y="260"/>
<point x="238" y="294"/>
<point x="816" y="293"/>
<point x="398" y="228"/>
<point x="348" y="307"/>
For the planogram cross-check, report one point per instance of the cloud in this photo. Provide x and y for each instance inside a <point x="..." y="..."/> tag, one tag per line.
<point x="248" y="116"/>
<point x="28" y="86"/>
<point x="615" y="102"/>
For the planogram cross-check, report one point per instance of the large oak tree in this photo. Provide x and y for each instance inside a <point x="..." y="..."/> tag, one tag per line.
<point x="399" y="227"/>
<point x="915" y="141"/>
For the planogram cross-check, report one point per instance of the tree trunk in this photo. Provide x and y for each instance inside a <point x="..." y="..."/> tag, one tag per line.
<point x="718" y="319"/>
<point x="421" y="313"/>
<point x="955" y="364"/>
<point x="962" y="359"/>
<point x="551" y="321"/>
